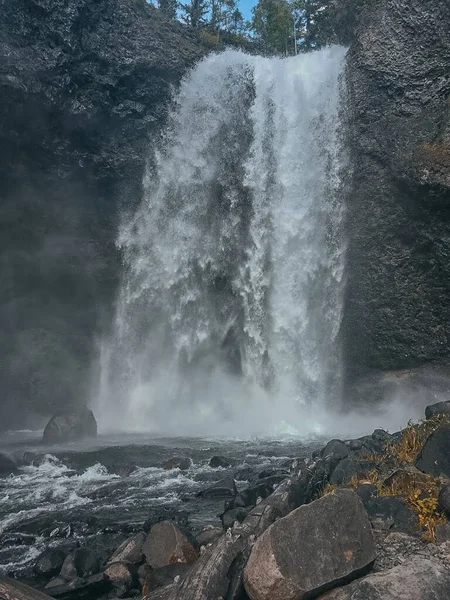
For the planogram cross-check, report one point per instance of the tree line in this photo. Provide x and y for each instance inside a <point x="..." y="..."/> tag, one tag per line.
<point x="282" y="26"/>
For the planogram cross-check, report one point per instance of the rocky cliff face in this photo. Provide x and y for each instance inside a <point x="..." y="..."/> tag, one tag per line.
<point x="397" y="312"/>
<point x="83" y="86"/>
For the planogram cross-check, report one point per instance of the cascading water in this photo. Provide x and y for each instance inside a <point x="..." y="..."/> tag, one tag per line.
<point x="230" y="306"/>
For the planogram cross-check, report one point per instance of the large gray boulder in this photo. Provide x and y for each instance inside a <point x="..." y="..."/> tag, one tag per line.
<point x="314" y="548"/>
<point x="416" y="579"/>
<point x="130" y="550"/>
<point x="167" y="543"/>
<point x="70" y="425"/>
<point x="434" y="457"/>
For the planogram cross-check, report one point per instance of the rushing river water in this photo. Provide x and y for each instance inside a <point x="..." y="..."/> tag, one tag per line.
<point x="100" y="493"/>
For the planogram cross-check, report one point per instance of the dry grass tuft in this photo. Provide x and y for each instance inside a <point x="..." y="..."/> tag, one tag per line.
<point x="414" y="437"/>
<point x="327" y="489"/>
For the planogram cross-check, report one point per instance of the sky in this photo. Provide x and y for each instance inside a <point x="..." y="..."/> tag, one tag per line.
<point x="245" y="6"/>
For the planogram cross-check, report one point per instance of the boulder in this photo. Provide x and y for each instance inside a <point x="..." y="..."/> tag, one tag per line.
<point x="367" y="491"/>
<point x="253" y="495"/>
<point x="415" y="579"/>
<point x="348" y="467"/>
<point x="337" y="448"/>
<point x="208" y="535"/>
<point x="245" y="474"/>
<point x="230" y="517"/>
<point x="82" y="562"/>
<point x="297" y="558"/>
<point x="70" y="425"/>
<point x="164" y="576"/>
<point x="391" y="513"/>
<point x="7" y="465"/>
<point x="184" y="463"/>
<point x="11" y="589"/>
<point x="181" y="517"/>
<point x="440" y="408"/>
<point x="214" y="574"/>
<point x="221" y="461"/>
<point x="278" y="473"/>
<point x="225" y="488"/>
<point x="444" y="498"/>
<point x="130" y="550"/>
<point x="435" y="455"/>
<point x="122" y="577"/>
<point x="289" y="495"/>
<point x="143" y="572"/>
<point x="49" y="563"/>
<point x="80" y="588"/>
<point x="442" y="533"/>
<point x="167" y="543"/>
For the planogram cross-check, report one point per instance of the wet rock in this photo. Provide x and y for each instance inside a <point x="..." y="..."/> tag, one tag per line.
<point x="415" y="579"/>
<point x="164" y="576"/>
<point x="225" y="488"/>
<point x="88" y="588"/>
<point x="391" y="513"/>
<point x="235" y="515"/>
<point x="440" y="408"/>
<point x="280" y="474"/>
<point x="221" y="461"/>
<point x="168" y="543"/>
<point x="253" y="495"/>
<point x="245" y="474"/>
<point x="72" y="424"/>
<point x="166" y="514"/>
<point x="336" y="447"/>
<point x="49" y="563"/>
<point x="354" y="445"/>
<point x="130" y="550"/>
<point x="143" y="572"/>
<point x="212" y="575"/>
<point x="10" y="589"/>
<point x="444" y="498"/>
<point x="7" y="465"/>
<point x="82" y="562"/>
<point x="208" y="535"/>
<point x="168" y="592"/>
<point x="122" y="577"/>
<point x="367" y="491"/>
<point x="348" y="467"/>
<point x="297" y="558"/>
<point x="184" y="463"/>
<point x="442" y="533"/>
<point x="435" y="455"/>
<point x="289" y="495"/>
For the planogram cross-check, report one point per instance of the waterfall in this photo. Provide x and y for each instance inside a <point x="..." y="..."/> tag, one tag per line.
<point x="230" y="305"/>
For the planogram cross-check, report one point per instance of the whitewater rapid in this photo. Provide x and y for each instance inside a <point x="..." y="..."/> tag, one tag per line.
<point x="230" y="305"/>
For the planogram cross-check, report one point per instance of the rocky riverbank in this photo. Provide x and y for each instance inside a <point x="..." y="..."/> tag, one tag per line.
<point x="362" y="518"/>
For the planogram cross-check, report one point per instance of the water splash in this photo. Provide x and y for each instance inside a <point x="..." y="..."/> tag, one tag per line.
<point x="230" y="306"/>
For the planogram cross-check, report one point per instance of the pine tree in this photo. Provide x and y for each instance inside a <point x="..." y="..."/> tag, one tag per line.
<point x="168" y="7"/>
<point x="313" y="24"/>
<point x="194" y="13"/>
<point x="273" y="23"/>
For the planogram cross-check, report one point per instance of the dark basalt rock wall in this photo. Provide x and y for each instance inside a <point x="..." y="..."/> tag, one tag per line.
<point x="83" y="85"/>
<point x="397" y="308"/>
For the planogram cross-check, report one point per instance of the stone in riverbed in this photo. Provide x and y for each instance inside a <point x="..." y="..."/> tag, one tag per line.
<point x="7" y="465"/>
<point x="434" y="457"/>
<point x="225" y="488"/>
<point x="49" y="563"/>
<point x="88" y="588"/>
<point x="296" y="557"/>
<point x="235" y="515"/>
<point x="130" y="550"/>
<point x="70" y="425"/>
<point x="415" y="579"/>
<point x="167" y="543"/>
<point x="335" y="447"/>
<point x="442" y="533"/>
<point x="184" y="463"/>
<point x="82" y="562"/>
<point x="444" y="498"/>
<point x="122" y="576"/>
<point x="221" y="461"/>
